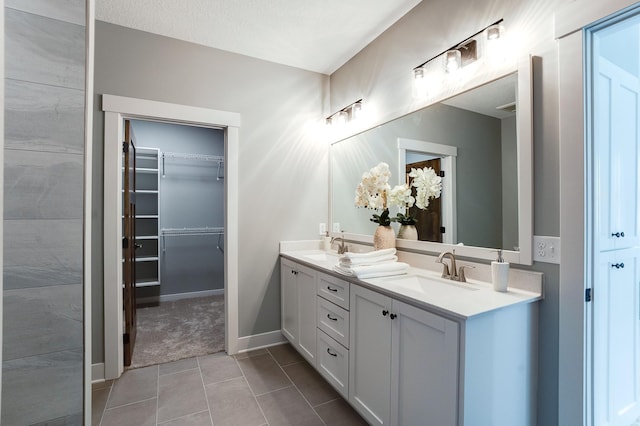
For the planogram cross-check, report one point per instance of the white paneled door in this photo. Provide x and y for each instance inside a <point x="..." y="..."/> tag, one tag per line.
<point x="614" y="113"/>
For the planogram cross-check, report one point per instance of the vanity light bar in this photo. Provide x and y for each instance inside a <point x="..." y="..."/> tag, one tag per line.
<point x="462" y="53"/>
<point x="346" y="114"/>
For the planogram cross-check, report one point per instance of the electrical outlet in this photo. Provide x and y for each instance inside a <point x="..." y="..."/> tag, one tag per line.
<point x="322" y="228"/>
<point x="546" y="249"/>
<point x="336" y="227"/>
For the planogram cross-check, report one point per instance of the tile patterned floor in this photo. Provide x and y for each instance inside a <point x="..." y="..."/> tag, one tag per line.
<point x="274" y="386"/>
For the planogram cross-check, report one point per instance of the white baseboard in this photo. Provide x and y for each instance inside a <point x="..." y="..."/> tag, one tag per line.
<point x="97" y="372"/>
<point x="179" y="296"/>
<point x="259" y="341"/>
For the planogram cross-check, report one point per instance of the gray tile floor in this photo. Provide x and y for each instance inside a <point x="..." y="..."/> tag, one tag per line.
<point x="274" y="386"/>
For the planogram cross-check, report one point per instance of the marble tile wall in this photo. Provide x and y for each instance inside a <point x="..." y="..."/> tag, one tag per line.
<point x="43" y="188"/>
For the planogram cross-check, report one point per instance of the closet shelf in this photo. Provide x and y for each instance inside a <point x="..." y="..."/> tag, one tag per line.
<point x="146" y="237"/>
<point x="146" y="170"/>
<point x="142" y="283"/>
<point x="198" y="157"/>
<point x="147" y="259"/>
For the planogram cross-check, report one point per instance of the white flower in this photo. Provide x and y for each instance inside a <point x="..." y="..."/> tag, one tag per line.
<point x="372" y="190"/>
<point x="401" y="196"/>
<point x="428" y="185"/>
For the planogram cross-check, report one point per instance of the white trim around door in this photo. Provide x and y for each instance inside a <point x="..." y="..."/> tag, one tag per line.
<point x="116" y="109"/>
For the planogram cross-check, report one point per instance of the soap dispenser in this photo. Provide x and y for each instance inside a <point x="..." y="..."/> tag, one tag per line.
<point x="327" y="241"/>
<point x="500" y="273"/>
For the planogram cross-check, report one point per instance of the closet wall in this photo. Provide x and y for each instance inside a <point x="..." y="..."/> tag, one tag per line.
<point x="191" y="195"/>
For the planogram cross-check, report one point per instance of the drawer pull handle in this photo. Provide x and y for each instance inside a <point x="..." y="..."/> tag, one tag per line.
<point x="332" y="289"/>
<point x="331" y="353"/>
<point x="618" y="234"/>
<point x="331" y="318"/>
<point x="385" y="313"/>
<point x="618" y="265"/>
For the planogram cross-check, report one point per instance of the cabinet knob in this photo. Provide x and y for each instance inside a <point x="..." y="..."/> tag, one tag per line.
<point x="331" y="318"/>
<point x="331" y="353"/>
<point x="393" y="316"/>
<point x="618" y="265"/>
<point x="618" y="234"/>
<point x="385" y="312"/>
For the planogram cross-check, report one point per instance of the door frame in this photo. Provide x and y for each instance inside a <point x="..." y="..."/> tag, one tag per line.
<point x="574" y="358"/>
<point x="116" y="109"/>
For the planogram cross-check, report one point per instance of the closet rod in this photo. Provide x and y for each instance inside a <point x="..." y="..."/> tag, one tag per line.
<point x="173" y="232"/>
<point x="200" y="157"/>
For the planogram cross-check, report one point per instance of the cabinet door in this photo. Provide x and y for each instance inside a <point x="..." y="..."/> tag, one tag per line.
<point x="424" y="373"/>
<point x="617" y="191"/>
<point x="616" y="353"/>
<point x="370" y="354"/>
<point x="306" y="287"/>
<point x="289" y="301"/>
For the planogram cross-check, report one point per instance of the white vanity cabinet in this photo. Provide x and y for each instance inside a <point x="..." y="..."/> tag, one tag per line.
<point x="412" y="366"/>
<point x="298" y="307"/>
<point x="404" y="362"/>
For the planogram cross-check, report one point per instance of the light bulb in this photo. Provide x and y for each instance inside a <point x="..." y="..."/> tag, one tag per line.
<point x="452" y="61"/>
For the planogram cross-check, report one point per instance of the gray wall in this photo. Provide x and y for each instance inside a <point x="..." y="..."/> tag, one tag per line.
<point x="381" y="72"/>
<point x="283" y="191"/>
<point x="44" y="147"/>
<point x="191" y="196"/>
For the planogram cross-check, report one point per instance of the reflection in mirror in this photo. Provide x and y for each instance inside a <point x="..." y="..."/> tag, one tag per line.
<point x="472" y="139"/>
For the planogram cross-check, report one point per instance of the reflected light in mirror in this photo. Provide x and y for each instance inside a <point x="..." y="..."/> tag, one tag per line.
<point x="419" y="83"/>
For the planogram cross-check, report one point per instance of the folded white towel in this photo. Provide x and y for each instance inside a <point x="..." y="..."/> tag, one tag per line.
<point x="361" y="261"/>
<point x="372" y="271"/>
<point x="370" y="254"/>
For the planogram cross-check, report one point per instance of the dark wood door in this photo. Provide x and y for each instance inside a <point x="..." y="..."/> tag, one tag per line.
<point x="429" y="220"/>
<point x="129" y="242"/>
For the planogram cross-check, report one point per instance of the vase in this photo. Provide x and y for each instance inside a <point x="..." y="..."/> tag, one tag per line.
<point x="408" y="232"/>
<point x="383" y="238"/>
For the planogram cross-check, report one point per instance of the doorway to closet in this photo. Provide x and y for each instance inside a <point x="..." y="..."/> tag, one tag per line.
<point x="117" y="109"/>
<point x="179" y="242"/>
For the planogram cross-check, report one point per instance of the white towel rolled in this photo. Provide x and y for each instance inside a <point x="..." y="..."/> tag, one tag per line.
<point x="370" y="254"/>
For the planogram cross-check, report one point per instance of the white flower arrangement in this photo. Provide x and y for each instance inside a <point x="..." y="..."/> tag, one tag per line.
<point x="374" y="192"/>
<point x="428" y="185"/>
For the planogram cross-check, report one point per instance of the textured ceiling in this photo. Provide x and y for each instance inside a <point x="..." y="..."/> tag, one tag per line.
<point x="317" y="35"/>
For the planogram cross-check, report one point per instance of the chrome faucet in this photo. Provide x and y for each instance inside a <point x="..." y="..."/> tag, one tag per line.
<point x="456" y="274"/>
<point x="342" y="248"/>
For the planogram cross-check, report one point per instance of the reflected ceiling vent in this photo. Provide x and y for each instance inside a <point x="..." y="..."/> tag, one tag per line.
<point x="510" y="107"/>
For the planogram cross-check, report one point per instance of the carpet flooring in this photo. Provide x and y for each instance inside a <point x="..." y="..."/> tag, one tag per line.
<point x="181" y="329"/>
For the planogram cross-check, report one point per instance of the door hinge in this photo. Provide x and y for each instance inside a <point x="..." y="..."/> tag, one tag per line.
<point x="125" y="338"/>
<point x="125" y="242"/>
<point x="587" y="295"/>
<point x="441" y="173"/>
<point x="125" y="147"/>
<point x="442" y="230"/>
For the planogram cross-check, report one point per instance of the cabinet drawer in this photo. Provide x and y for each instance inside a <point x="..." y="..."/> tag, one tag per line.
<point x="334" y="290"/>
<point x="333" y="363"/>
<point x="334" y="321"/>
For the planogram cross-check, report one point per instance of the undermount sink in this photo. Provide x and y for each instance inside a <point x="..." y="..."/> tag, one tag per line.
<point x="322" y="257"/>
<point x="424" y="284"/>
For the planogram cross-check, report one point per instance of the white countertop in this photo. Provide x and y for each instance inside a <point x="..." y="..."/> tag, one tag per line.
<point x="457" y="300"/>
